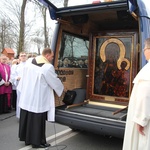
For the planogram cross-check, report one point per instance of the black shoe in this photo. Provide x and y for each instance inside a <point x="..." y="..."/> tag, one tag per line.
<point x="26" y="144"/>
<point x="41" y="146"/>
<point x="37" y="146"/>
<point x="46" y="145"/>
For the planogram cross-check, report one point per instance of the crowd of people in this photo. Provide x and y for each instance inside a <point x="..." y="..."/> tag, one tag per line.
<point x="10" y="74"/>
<point x="33" y="101"/>
<point x="5" y="85"/>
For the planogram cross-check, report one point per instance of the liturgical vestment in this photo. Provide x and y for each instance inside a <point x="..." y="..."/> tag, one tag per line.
<point x="37" y="94"/>
<point x="18" y="73"/>
<point x="139" y="112"/>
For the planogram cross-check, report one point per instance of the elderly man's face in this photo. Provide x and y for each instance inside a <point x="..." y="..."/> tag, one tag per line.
<point x="3" y="59"/>
<point x="147" y="52"/>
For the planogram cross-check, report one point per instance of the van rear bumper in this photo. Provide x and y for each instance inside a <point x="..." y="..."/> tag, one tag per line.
<point x="96" y="124"/>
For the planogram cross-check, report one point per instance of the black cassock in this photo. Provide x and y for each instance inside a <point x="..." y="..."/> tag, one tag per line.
<point x="32" y="127"/>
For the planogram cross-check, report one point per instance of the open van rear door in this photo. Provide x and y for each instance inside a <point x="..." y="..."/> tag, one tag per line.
<point x="97" y="54"/>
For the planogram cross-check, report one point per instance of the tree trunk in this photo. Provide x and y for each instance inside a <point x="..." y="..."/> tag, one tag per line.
<point x="46" y="43"/>
<point x="65" y="3"/>
<point x="38" y="50"/>
<point x="22" y="27"/>
<point x="2" y="37"/>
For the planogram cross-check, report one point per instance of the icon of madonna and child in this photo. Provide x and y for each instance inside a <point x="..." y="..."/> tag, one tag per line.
<point x="112" y="70"/>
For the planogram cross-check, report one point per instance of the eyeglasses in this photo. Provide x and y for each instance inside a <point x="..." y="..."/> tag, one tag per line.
<point x="22" y="55"/>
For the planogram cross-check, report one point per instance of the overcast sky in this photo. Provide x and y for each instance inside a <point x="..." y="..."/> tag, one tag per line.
<point x="30" y="16"/>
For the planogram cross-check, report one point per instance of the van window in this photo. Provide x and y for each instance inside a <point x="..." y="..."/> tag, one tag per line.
<point x="73" y="52"/>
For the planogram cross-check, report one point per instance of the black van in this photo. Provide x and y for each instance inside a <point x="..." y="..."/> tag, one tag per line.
<point x="97" y="50"/>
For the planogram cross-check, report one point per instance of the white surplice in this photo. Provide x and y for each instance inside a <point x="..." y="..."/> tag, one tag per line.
<point x="37" y="87"/>
<point x="16" y="74"/>
<point x="13" y="76"/>
<point x="139" y="112"/>
<point x="2" y="82"/>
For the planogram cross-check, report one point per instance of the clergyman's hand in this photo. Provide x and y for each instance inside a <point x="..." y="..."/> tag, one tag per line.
<point x="7" y="83"/>
<point x="140" y="129"/>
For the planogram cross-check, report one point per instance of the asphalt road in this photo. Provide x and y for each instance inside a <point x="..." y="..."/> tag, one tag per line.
<point x="60" y="137"/>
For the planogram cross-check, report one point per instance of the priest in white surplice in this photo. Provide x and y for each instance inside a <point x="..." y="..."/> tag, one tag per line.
<point x="137" y="132"/>
<point x="37" y="98"/>
<point x="16" y="76"/>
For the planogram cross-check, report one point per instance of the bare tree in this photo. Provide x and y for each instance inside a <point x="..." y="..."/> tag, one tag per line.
<point x="14" y="11"/>
<point x="37" y="41"/>
<point x="46" y="43"/>
<point x="66" y="3"/>
<point x="18" y="28"/>
<point x="4" y="29"/>
<point x="45" y="32"/>
<point x="8" y="27"/>
<point x="22" y="27"/>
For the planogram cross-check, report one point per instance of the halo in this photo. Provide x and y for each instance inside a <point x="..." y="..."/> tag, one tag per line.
<point x="120" y="60"/>
<point x="112" y="40"/>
